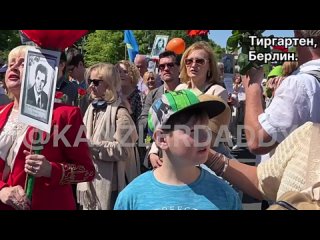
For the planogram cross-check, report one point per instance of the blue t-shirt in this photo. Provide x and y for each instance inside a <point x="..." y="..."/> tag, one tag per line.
<point x="208" y="192"/>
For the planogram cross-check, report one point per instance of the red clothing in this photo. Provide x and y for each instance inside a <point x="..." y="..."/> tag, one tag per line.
<point x="69" y="164"/>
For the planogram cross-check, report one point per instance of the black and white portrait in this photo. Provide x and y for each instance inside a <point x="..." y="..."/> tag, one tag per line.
<point x="228" y="63"/>
<point x="151" y="65"/>
<point x="36" y="95"/>
<point x="159" y="45"/>
<point x="38" y="87"/>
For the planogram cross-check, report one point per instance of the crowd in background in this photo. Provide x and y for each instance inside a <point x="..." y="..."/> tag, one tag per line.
<point x="278" y="111"/>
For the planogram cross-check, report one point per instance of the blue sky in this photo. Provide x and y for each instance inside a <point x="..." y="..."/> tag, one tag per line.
<point x="220" y="36"/>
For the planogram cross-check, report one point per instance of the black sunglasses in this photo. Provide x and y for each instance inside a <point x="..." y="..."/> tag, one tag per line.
<point x="199" y="61"/>
<point x="95" y="82"/>
<point x="163" y="66"/>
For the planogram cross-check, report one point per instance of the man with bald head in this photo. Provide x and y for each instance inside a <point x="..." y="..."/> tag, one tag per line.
<point x="142" y="64"/>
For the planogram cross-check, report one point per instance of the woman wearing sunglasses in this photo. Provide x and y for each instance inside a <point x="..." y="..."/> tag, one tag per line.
<point x="198" y="70"/>
<point x="112" y="136"/>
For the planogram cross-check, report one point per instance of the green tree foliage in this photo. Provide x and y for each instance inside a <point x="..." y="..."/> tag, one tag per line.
<point x="9" y="39"/>
<point x="108" y="46"/>
<point x="104" y="46"/>
<point x="240" y="39"/>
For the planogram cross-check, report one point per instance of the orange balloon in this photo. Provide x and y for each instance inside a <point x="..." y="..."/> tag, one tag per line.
<point x="177" y="45"/>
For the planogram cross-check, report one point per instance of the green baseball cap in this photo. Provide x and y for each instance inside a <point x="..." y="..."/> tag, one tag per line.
<point x="175" y="102"/>
<point x="275" y="72"/>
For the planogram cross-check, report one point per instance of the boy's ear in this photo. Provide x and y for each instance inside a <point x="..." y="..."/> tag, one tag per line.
<point x="160" y="139"/>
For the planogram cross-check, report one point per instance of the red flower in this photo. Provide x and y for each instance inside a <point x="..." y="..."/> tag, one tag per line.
<point x="59" y="95"/>
<point x="81" y="92"/>
<point x="192" y="33"/>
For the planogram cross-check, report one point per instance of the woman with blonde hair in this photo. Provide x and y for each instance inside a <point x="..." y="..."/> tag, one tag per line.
<point x="57" y="167"/>
<point x="198" y="68"/>
<point x="130" y="94"/>
<point x="149" y="79"/>
<point x="199" y="71"/>
<point x="288" y="68"/>
<point x="112" y="136"/>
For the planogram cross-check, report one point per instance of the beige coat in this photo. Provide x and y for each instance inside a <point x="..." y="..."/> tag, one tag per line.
<point x="112" y="142"/>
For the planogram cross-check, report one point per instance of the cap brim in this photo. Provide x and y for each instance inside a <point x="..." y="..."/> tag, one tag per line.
<point x="212" y="105"/>
<point x="275" y="72"/>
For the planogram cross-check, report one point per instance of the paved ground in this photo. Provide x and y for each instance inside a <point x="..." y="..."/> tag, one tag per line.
<point x="251" y="206"/>
<point x="249" y="203"/>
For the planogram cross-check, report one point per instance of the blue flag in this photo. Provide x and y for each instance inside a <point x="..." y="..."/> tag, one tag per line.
<point x="132" y="45"/>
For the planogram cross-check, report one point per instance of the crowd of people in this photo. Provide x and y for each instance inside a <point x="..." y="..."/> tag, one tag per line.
<point x="162" y="139"/>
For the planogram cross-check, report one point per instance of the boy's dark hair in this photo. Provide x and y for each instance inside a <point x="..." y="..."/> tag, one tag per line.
<point x="181" y="118"/>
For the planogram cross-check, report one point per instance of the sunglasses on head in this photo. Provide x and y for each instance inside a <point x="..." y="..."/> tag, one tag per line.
<point x="163" y="66"/>
<point x="199" y="61"/>
<point x="95" y="82"/>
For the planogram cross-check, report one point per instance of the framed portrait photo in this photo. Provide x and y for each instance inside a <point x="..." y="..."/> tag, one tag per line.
<point x="159" y="45"/>
<point x="152" y="65"/>
<point x="38" y="88"/>
<point x="228" y="62"/>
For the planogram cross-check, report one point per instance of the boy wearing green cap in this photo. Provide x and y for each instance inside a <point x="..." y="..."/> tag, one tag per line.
<point x="178" y="122"/>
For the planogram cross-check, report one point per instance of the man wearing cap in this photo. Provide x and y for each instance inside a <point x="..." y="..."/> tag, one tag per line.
<point x="178" y="122"/>
<point x="295" y="102"/>
<point x="274" y="79"/>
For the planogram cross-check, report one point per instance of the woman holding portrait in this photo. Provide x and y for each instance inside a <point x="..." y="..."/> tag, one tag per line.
<point x="62" y="162"/>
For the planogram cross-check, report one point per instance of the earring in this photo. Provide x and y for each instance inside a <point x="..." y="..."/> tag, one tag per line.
<point x="208" y="74"/>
